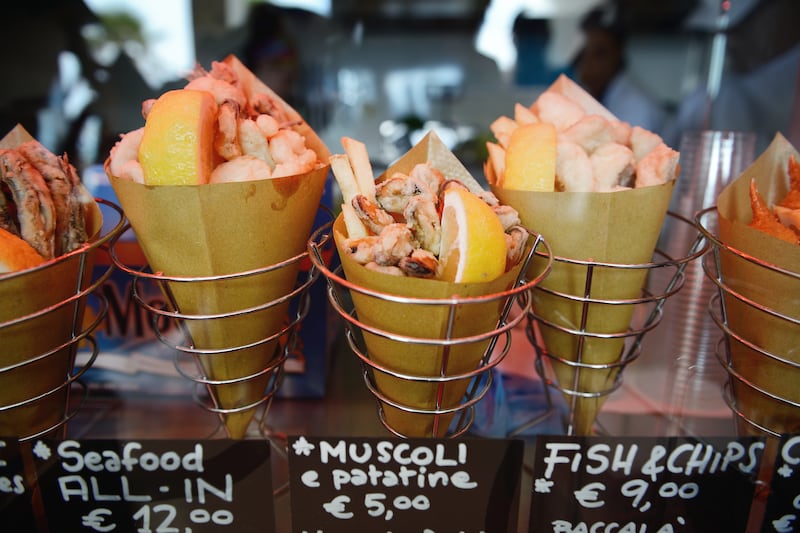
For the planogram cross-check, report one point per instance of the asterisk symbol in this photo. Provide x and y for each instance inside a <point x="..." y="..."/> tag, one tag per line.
<point x="785" y="471"/>
<point x="302" y="447"/>
<point x="542" y="485"/>
<point x="41" y="450"/>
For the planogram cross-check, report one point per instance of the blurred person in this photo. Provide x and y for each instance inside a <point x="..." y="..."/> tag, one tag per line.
<point x="271" y="53"/>
<point x="759" y="82"/>
<point x="601" y="68"/>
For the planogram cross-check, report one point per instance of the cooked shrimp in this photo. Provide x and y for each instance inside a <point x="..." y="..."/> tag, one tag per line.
<point x="123" y="157"/>
<point x="221" y="90"/>
<point x="516" y="237"/>
<point x="243" y="168"/>
<point x="428" y="175"/>
<point x="286" y="145"/>
<point x="395" y="242"/>
<point x="224" y="72"/>
<point x="420" y="264"/>
<point x="253" y="141"/>
<point x="767" y="221"/>
<point x="226" y="140"/>
<point x="508" y="215"/>
<point x="267" y="124"/>
<point x="423" y="219"/>
<point x="573" y="168"/>
<point x="393" y="194"/>
<point x="612" y="164"/>
<point x="373" y="217"/>
<point x="362" y="250"/>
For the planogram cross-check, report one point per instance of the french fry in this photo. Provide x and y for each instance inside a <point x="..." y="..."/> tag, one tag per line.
<point x="355" y="227"/>
<point x="497" y="163"/>
<point x="359" y="161"/>
<point x="343" y="172"/>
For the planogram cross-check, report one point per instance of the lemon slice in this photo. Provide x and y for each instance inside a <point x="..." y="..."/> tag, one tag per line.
<point x="530" y="163"/>
<point x="177" y="146"/>
<point x="473" y="241"/>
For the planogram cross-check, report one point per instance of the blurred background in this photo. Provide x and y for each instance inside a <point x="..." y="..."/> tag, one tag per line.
<point x="386" y="71"/>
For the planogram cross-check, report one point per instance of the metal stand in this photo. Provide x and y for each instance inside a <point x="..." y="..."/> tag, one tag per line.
<point x="53" y="404"/>
<point x="759" y="379"/>
<point x="187" y="355"/>
<point x="665" y="275"/>
<point x="450" y="420"/>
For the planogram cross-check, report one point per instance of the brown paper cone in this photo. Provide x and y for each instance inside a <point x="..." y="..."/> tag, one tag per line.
<point x="426" y="356"/>
<point x="771" y="289"/>
<point x="37" y="353"/>
<point x="221" y="229"/>
<point x="620" y="227"/>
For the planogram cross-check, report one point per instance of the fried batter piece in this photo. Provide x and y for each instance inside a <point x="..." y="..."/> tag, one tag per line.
<point x="792" y="198"/>
<point x="767" y="221"/>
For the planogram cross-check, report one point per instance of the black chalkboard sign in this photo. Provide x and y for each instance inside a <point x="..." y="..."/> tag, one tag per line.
<point x="630" y="485"/>
<point x="782" y="513"/>
<point x="152" y="486"/>
<point x="15" y="493"/>
<point x="414" y="485"/>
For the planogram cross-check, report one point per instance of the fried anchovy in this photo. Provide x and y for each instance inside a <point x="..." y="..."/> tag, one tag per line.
<point x="34" y="204"/>
<point x="57" y="173"/>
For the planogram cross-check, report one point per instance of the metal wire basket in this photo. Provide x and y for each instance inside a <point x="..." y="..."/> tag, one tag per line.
<point x="435" y="396"/>
<point x="758" y="350"/>
<point x="593" y="355"/>
<point x="54" y="309"/>
<point x="221" y="384"/>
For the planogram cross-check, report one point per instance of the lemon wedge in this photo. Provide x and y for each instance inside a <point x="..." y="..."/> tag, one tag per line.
<point x="177" y="146"/>
<point x="473" y="245"/>
<point x="530" y="163"/>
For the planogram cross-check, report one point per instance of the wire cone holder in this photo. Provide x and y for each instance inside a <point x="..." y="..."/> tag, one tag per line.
<point x="234" y="357"/>
<point x="755" y="307"/>
<point x="586" y="332"/>
<point x="427" y="360"/>
<point x="43" y="328"/>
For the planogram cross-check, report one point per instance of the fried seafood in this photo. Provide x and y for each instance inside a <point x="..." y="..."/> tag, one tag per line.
<point x="400" y="232"/>
<point x="248" y="124"/>
<point x="767" y="221"/>
<point x="594" y="152"/>
<point x="42" y="200"/>
<point x="792" y="198"/>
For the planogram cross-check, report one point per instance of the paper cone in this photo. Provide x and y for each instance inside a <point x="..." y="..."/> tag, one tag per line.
<point x="38" y="326"/>
<point x="609" y="227"/>
<point x="428" y="354"/>
<point x="775" y="291"/>
<point x="425" y="356"/>
<point x="621" y="228"/>
<point x="220" y="229"/>
<point x="223" y="229"/>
